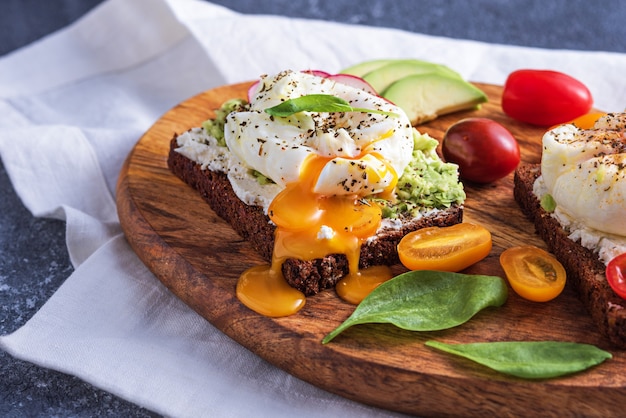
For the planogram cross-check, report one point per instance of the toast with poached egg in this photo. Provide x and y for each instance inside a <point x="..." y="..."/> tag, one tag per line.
<point x="576" y="198"/>
<point x="326" y="192"/>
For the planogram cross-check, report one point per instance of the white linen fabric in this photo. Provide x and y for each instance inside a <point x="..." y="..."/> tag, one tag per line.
<point x="73" y="106"/>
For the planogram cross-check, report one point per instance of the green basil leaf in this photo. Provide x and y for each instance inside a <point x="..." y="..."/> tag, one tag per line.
<point x="427" y="301"/>
<point x="529" y="359"/>
<point x="318" y="103"/>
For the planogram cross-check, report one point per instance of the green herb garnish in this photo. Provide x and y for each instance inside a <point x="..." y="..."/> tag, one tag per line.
<point x="319" y="103"/>
<point x="427" y="301"/>
<point x="529" y="359"/>
<point x="261" y="178"/>
<point x="548" y="203"/>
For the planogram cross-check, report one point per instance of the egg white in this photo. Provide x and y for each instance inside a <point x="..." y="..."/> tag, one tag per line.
<point x="585" y="172"/>
<point x="278" y="146"/>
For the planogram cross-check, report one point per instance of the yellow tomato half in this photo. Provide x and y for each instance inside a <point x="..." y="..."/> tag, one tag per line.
<point x="450" y="248"/>
<point x="585" y="121"/>
<point x="533" y="273"/>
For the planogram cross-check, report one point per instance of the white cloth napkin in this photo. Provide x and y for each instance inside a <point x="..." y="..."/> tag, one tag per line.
<point x="74" y="104"/>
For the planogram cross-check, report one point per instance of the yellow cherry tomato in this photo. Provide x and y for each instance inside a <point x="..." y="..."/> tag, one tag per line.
<point x="585" y="121"/>
<point x="533" y="273"/>
<point x="451" y="248"/>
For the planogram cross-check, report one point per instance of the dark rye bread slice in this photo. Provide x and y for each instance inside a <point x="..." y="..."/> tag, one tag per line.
<point x="310" y="277"/>
<point x="585" y="272"/>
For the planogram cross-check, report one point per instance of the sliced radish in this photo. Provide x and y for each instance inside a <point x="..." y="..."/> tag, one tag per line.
<point x="347" y="79"/>
<point x="318" y="73"/>
<point x="353" y="81"/>
<point x="252" y="90"/>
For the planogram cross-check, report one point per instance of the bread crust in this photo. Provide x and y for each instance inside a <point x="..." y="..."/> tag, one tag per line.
<point x="585" y="272"/>
<point x="312" y="276"/>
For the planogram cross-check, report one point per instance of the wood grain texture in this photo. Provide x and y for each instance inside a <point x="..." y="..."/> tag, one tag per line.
<point x="199" y="258"/>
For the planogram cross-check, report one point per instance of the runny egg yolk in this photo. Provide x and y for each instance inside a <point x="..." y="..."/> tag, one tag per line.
<point x="310" y="226"/>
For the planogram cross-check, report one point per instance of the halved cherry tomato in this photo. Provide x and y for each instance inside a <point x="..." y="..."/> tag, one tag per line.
<point x="585" y="121"/>
<point x="533" y="273"/>
<point x="616" y="275"/>
<point x="543" y="97"/>
<point x="451" y="248"/>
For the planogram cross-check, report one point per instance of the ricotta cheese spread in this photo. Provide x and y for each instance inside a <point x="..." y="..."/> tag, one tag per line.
<point x="202" y="148"/>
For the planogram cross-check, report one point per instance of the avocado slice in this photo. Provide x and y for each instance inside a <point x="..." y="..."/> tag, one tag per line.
<point x="425" y="96"/>
<point x="384" y="76"/>
<point x="365" y="67"/>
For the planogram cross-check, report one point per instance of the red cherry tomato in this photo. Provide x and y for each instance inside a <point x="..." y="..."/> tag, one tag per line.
<point x="543" y="97"/>
<point x="616" y="275"/>
<point x="484" y="150"/>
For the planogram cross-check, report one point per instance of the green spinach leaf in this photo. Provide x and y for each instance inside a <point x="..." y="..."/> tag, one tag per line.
<point x="426" y="301"/>
<point x="529" y="359"/>
<point x="318" y="103"/>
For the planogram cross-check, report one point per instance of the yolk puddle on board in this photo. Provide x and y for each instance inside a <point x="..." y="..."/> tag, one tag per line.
<point x="354" y="287"/>
<point x="300" y="215"/>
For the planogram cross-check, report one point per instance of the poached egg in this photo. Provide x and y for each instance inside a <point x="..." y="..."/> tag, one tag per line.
<point x="364" y="152"/>
<point x="584" y="170"/>
<point x="326" y="164"/>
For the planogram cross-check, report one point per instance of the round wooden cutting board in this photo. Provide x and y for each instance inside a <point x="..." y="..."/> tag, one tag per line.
<point x="199" y="258"/>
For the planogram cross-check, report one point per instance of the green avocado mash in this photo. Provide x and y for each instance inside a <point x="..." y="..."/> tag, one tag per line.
<point x="215" y="127"/>
<point x="427" y="182"/>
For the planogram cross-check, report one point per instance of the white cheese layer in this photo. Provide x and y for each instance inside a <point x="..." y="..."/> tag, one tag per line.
<point x="203" y="149"/>
<point x="606" y="245"/>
